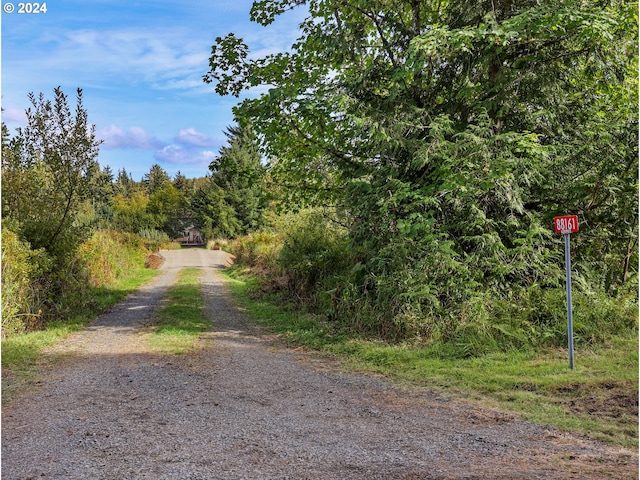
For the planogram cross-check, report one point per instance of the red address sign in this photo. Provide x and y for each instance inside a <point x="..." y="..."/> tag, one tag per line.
<point x="566" y="224"/>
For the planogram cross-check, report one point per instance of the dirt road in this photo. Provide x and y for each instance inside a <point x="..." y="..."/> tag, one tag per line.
<point x="109" y="408"/>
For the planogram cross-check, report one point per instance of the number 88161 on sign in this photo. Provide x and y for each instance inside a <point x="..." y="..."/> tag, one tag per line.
<point x="566" y="224"/>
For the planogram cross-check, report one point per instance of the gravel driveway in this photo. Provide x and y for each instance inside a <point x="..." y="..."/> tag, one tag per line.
<point x="245" y="407"/>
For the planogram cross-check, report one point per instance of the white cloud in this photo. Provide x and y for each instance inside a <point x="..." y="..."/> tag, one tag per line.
<point x="162" y="58"/>
<point x="177" y="155"/>
<point x="14" y="115"/>
<point x="135" y="137"/>
<point x="138" y="66"/>
<point x="191" y="136"/>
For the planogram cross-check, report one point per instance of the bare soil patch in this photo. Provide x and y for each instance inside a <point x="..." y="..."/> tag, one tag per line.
<point x="154" y="261"/>
<point x="606" y="400"/>
<point x="245" y="407"/>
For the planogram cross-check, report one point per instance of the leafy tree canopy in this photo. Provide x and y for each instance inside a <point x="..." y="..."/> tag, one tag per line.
<point x="47" y="172"/>
<point x="455" y="130"/>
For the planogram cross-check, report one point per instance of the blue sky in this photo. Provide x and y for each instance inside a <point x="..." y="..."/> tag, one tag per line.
<point x="140" y="65"/>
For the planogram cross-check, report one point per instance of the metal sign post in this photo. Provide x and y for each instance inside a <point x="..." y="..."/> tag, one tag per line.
<point x="567" y="225"/>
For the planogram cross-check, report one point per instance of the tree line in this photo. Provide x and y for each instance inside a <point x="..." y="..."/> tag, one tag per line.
<point x="56" y="196"/>
<point x="54" y="190"/>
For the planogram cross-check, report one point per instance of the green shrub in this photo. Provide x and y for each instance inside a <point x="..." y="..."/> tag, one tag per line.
<point x="107" y="254"/>
<point x="22" y="291"/>
<point x="37" y="289"/>
<point x="405" y="290"/>
<point x="221" y="243"/>
<point x="171" y="246"/>
<point x="154" y="239"/>
<point x="536" y="317"/>
<point x="423" y="293"/>
<point x="314" y="257"/>
<point x="258" y="251"/>
<point x="101" y="257"/>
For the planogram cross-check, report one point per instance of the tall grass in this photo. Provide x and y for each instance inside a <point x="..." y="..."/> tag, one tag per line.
<point x="37" y="292"/>
<point x="258" y="251"/>
<point x="122" y="257"/>
<point x="22" y="292"/>
<point x="156" y="240"/>
<point x="38" y="289"/>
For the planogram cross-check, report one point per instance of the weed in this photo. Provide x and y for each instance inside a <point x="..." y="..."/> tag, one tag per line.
<point x="181" y="320"/>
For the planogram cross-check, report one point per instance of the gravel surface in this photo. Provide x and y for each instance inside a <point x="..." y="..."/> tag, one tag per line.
<point x="245" y="407"/>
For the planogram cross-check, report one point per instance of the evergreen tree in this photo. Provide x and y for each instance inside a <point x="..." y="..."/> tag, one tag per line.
<point x="239" y="173"/>
<point x="213" y="215"/>
<point x="181" y="182"/>
<point x="124" y="184"/>
<point x="156" y="179"/>
<point x="230" y="203"/>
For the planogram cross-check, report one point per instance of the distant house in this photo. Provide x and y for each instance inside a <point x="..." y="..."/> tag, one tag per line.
<point x="191" y="236"/>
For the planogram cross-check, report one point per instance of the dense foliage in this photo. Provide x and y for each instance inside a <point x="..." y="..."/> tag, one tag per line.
<point x="45" y="173"/>
<point x="449" y="134"/>
<point x="231" y="203"/>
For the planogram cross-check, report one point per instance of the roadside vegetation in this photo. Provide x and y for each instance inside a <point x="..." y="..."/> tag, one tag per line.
<point x="308" y="262"/>
<point x="70" y="227"/>
<point x="418" y="153"/>
<point x="114" y="268"/>
<point x="76" y="238"/>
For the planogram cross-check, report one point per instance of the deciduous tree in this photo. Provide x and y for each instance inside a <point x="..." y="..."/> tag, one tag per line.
<point x="47" y="177"/>
<point x="451" y="133"/>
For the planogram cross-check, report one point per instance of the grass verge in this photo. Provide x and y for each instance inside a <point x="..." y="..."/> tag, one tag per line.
<point x="178" y="325"/>
<point x="21" y="354"/>
<point x="598" y="398"/>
